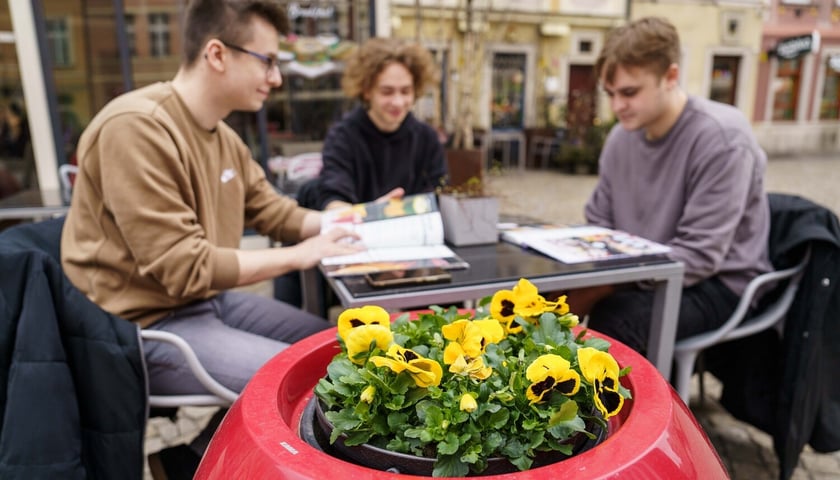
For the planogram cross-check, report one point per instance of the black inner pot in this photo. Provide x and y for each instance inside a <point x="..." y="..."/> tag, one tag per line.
<point x="315" y="430"/>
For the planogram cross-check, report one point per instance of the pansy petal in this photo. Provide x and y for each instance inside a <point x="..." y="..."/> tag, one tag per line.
<point x="608" y="401"/>
<point x="468" y="403"/>
<point x="358" y="341"/>
<point x="595" y="364"/>
<point x="356" y="317"/>
<point x="451" y="353"/>
<point x="501" y="306"/>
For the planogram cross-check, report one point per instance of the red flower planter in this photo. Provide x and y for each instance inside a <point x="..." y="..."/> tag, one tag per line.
<point x="654" y="436"/>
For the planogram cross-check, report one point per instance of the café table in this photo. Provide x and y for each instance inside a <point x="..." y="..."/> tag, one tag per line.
<point x="33" y="204"/>
<point x="500" y="265"/>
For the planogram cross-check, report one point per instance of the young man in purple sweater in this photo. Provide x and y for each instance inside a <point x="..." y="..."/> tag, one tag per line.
<point x="681" y="170"/>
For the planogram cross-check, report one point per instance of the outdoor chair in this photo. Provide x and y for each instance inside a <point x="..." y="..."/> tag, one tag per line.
<point x="780" y="287"/>
<point x="93" y="365"/>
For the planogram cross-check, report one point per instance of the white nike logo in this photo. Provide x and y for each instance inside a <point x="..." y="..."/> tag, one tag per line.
<point x="227" y="175"/>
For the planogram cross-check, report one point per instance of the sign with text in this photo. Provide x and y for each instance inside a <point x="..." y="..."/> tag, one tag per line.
<point x="795" y="47"/>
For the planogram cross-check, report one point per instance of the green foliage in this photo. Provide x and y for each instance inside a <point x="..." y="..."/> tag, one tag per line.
<point x="430" y="421"/>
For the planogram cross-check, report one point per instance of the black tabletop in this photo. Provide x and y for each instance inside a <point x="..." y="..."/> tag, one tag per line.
<point x="503" y="262"/>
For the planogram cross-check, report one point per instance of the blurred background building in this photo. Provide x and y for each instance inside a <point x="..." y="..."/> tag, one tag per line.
<point x="528" y="74"/>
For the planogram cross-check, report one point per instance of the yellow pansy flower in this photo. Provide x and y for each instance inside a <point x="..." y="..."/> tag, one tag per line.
<point x="551" y="372"/>
<point x="367" y="394"/>
<point x="601" y="370"/>
<point x="472" y="336"/>
<point x="468" y="403"/>
<point x="358" y="341"/>
<point x="423" y="371"/>
<point x="475" y="368"/>
<point x="356" y="317"/>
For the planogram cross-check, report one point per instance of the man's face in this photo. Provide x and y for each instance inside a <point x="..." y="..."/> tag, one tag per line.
<point x="391" y="97"/>
<point x="252" y="79"/>
<point x="638" y="97"/>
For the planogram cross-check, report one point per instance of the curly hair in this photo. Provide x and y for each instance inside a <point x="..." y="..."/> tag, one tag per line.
<point x="227" y="20"/>
<point x="369" y="60"/>
<point x="649" y="42"/>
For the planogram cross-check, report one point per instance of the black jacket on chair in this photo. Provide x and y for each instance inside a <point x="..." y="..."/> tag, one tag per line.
<point x="787" y="386"/>
<point x="72" y="382"/>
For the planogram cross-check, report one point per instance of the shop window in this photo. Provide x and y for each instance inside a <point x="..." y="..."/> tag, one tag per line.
<point x="830" y="101"/>
<point x="508" y="87"/>
<point x="58" y="37"/>
<point x="130" y="34"/>
<point x="786" y="89"/>
<point x="159" y="35"/>
<point x="724" y="79"/>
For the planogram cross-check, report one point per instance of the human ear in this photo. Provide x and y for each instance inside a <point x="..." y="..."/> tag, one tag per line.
<point x="214" y="53"/>
<point x="672" y="75"/>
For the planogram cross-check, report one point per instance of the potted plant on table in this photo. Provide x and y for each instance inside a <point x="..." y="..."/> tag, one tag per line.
<point x="512" y="383"/>
<point x="470" y="215"/>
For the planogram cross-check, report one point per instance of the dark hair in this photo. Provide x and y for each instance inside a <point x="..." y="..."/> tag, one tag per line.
<point x="227" y="20"/>
<point x="649" y="42"/>
<point x="369" y="60"/>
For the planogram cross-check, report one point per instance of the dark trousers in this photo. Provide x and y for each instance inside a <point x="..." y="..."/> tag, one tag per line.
<point x="626" y="314"/>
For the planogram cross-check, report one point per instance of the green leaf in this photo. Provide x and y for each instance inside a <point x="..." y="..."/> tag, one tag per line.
<point x="450" y="466"/>
<point x="341" y="367"/>
<point x="357" y="438"/>
<point x="493" y="441"/>
<point x="568" y="411"/>
<point x="564" y="430"/>
<point x="499" y="419"/>
<point x="513" y="449"/>
<point x="522" y="462"/>
<point x="343" y="420"/>
<point x="597" y="343"/>
<point x="449" y="445"/>
<point x="397" y="420"/>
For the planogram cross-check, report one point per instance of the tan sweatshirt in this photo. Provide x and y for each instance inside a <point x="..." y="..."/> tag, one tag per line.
<point x="160" y="204"/>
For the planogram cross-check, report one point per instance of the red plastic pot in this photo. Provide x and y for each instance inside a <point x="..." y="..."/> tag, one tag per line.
<point x="654" y="436"/>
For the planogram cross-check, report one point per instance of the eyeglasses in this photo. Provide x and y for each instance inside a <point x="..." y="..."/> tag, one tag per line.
<point x="270" y="62"/>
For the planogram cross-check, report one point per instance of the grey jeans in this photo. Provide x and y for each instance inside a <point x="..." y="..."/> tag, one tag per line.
<point x="233" y="335"/>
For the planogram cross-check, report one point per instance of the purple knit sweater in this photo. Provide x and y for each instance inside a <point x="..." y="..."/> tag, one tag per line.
<point x="699" y="189"/>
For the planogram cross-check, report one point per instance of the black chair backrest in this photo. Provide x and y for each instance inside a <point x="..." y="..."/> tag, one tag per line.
<point x="44" y="236"/>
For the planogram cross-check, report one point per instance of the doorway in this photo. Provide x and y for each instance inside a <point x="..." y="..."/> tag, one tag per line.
<point x="580" y="104"/>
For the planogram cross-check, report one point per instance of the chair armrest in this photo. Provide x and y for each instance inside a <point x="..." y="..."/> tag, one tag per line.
<point x="733" y="328"/>
<point x="194" y="364"/>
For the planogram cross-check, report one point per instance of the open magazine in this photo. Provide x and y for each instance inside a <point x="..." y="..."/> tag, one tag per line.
<point x="583" y="243"/>
<point x="400" y="234"/>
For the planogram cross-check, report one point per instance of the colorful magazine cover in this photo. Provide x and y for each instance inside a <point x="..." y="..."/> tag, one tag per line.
<point x="399" y="234"/>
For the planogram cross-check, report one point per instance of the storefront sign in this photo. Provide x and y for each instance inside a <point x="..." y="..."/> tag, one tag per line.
<point x="297" y="11"/>
<point x="794" y="47"/>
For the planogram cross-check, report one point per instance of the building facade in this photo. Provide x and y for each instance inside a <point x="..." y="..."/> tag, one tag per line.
<point x="535" y="57"/>
<point x="798" y="89"/>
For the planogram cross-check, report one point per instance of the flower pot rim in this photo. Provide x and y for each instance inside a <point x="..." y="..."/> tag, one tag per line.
<point x="654" y="432"/>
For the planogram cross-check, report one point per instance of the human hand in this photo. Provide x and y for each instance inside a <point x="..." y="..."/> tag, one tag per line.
<point x="394" y="194"/>
<point x="336" y="241"/>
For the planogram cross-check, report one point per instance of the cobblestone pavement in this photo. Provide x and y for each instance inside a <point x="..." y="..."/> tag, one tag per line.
<point x="746" y="451"/>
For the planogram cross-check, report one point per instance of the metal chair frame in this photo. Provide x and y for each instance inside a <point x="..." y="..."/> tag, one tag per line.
<point x="738" y="325"/>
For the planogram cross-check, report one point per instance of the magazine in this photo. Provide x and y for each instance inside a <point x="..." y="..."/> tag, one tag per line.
<point x="399" y="234"/>
<point x="583" y="243"/>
